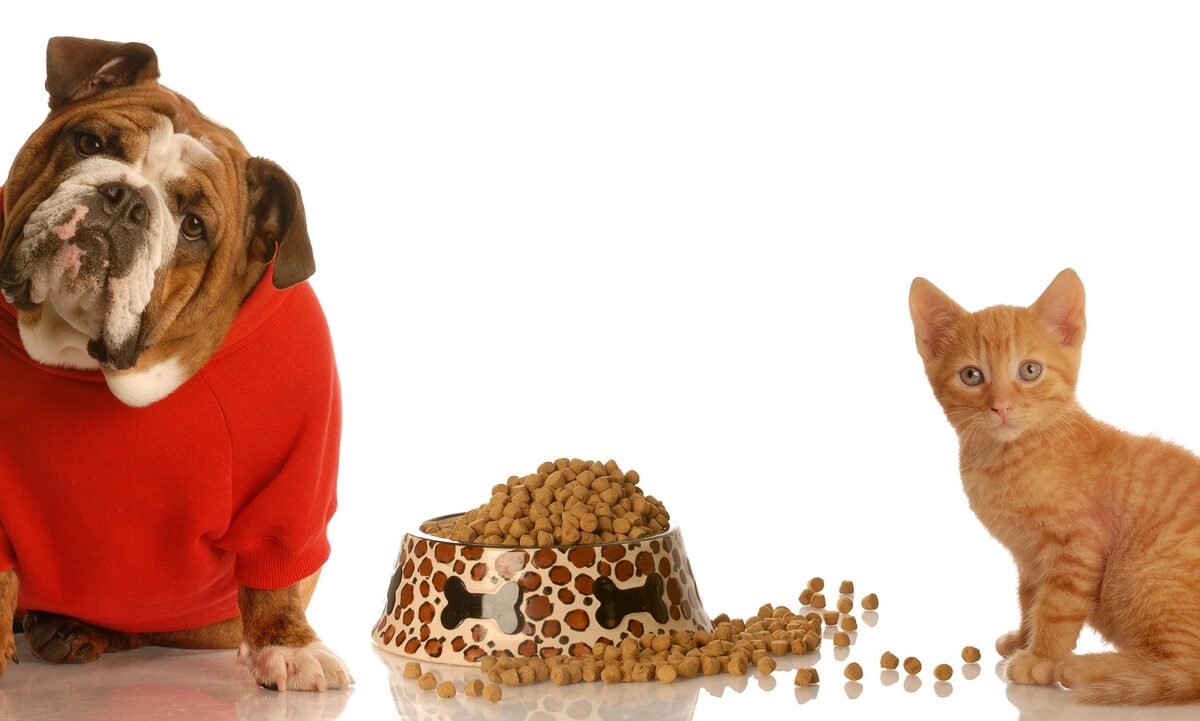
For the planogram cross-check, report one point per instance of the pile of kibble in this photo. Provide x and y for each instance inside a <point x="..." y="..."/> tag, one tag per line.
<point x="735" y="646"/>
<point x="566" y="502"/>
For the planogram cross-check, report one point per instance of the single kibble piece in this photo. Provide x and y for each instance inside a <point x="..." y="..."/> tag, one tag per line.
<point x="412" y="669"/>
<point x="845" y="605"/>
<point x="666" y="673"/>
<point x="846" y="587"/>
<point x="889" y="661"/>
<point x="493" y="693"/>
<point x="806" y="596"/>
<point x="807" y="676"/>
<point x="816" y="584"/>
<point x="473" y="688"/>
<point x="737" y="665"/>
<point x="970" y="654"/>
<point x="841" y="638"/>
<point x="912" y="665"/>
<point x="943" y="672"/>
<point x="766" y="665"/>
<point x="817" y="601"/>
<point x="870" y="602"/>
<point x="611" y="673"/>
<point x="854" y="672"/>
<point x="849" y="623"/>
<point x="831" y="618"/>
<point x="445" y="689"/>
<point x="780" y="648"/>
<point x="710" y="666"/>
<point x="661" y="642"/>
<point x="427" y="682"/>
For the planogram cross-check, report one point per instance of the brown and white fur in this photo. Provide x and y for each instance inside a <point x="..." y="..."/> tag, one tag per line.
<point x="158" y="305"/>
<point x="1104" y="525"/>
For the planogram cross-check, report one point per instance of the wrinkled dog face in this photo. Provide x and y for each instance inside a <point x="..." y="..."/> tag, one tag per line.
<point x="134" y="227"/>
<point x="94" y="248"/>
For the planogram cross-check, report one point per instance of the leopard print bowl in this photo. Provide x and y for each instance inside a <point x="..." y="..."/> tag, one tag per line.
<point x="456" y="603"/>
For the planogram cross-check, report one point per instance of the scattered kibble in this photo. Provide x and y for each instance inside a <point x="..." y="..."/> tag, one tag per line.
<point x="845" y="605"/>
<point x="565" y="502"/>
<point x="870" y="602"/>
<point x="846" y="587"/>
<point x="492" y="693"/>
<point x="889" y="661"/>
<point x="412" y="669"/>
<point x="854" y="672"/>
<point x="807" y="676"/>
<point x="427" y="682"/>
<point x="473" y="688"/>
<point x="841" y="639"/>
<point x="970" y="654"/>
<point x="445" y="689"/>
<point x="817" y="600"/>
<point x="816" y="584"/>
<point x="943" y="672"/>
<point x="849" y="623"/>
<point x="912" y="665"/>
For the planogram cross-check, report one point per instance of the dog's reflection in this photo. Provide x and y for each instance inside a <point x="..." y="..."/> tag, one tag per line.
<point x="154" y="683"/>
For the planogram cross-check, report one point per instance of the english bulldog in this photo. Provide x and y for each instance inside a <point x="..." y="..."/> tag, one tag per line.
<point x="172" y="408"/>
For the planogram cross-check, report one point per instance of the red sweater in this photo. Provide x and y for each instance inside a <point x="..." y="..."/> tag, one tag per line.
<point x="147" y="519"/>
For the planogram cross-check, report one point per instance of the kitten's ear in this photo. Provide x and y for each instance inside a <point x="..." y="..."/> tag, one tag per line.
<point x="1061" y="305"/>
<point x="933" y="316"/>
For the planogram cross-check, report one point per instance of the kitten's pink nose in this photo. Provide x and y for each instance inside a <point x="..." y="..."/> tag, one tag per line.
<point x="1001" y="409"/>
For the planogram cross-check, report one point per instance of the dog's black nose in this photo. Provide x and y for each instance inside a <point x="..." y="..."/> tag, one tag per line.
<point x="123" y="202"/>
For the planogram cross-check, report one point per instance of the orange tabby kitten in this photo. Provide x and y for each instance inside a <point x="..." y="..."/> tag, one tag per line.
<point x="1104" y="526"/>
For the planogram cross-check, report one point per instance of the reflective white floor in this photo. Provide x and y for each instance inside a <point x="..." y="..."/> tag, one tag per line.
<point x="207" y="686"/>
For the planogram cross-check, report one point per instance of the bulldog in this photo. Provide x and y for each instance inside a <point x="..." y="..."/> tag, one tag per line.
<point x="169" y="456"/>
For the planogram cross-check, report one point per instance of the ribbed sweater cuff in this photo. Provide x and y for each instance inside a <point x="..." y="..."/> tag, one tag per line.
<point x="268" y="565"/>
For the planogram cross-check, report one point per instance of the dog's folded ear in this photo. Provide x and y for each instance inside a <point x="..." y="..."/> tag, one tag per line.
<point x="275" y="224"/>
<point x="77" y="68"/>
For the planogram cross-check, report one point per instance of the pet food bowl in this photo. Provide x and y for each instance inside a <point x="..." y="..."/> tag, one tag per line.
<point x="458" y="602"/>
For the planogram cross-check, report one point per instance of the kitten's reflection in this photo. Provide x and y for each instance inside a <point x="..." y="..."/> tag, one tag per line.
<point x="1054" y="703"/>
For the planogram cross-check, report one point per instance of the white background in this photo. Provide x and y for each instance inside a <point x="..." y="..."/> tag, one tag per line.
<point x="681" y="235"/>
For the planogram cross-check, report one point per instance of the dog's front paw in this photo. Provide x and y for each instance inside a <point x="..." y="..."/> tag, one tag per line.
<point x="308" y="668"/>
<point x="1025" y="667"/>
<point x="8" y="647"/>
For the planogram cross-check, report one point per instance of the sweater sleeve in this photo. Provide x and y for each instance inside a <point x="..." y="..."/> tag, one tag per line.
<point x="280" y="393"/>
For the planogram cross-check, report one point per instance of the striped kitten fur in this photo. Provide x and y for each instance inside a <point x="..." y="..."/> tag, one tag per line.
<point x="1104" y="525"/>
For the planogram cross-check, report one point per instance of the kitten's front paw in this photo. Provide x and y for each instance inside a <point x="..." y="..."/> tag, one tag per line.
<point x="308" y="668"/>
<point x="1010" y="643"/>
<point x="1025" y="667"/>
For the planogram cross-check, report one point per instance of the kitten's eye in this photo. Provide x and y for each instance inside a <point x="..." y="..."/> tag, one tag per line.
<point x="1030" y="371"/>
<point x="971" y="375"/>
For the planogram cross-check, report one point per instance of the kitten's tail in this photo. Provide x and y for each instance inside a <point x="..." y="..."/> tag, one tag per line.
<point x="1142" y="680"/>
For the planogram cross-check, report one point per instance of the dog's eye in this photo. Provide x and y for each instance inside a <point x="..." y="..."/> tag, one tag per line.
<point x="192" y="228"/>
<point x="88" y="145"/>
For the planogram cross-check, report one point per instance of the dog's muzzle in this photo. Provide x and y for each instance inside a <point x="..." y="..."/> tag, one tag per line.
<point x="92" y="250"/>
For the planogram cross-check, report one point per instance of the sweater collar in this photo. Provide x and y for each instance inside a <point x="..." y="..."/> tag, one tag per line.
<point x="262" y="302"/>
